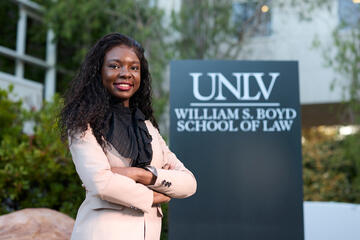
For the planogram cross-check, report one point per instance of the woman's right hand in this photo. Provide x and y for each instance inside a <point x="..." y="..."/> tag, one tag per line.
<point x="139" y="175"/>
<point x="160" y="198"/>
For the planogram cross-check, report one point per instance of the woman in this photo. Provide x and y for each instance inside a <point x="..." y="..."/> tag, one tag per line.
<point x="123" y="162"/>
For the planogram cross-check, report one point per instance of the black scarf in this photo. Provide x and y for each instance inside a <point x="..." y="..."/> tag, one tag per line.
<point x="129" y="134"/>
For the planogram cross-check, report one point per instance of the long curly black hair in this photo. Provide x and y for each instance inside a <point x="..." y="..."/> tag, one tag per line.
<point x="87" y="101"/>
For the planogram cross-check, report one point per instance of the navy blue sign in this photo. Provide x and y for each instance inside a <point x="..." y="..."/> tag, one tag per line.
<point x="236" y="125"/>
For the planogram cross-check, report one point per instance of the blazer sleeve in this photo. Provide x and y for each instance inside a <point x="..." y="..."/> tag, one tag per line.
<point x="94" y="170"/>
<point x="178" y="182"/>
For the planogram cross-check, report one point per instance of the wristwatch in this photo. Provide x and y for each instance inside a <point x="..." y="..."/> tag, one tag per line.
<point x="153" y="170"/>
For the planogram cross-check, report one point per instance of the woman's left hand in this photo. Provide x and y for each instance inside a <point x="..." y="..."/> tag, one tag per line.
<point x="168" y="167"/>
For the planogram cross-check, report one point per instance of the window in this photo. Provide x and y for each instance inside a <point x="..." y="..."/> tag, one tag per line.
<point x="253" y="18"/>
<point x="349" y="13"/>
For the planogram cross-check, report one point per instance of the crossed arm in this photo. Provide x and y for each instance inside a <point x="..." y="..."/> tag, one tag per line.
<point x="129" y="186"/>
<point x="144" y="177"/>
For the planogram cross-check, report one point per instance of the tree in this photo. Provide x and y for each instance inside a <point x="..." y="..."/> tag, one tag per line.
<point x="209" y="29"/>
<point x="332" y="165"/>
<point x="344" y="57"/>
<point x="78" y="24"/>
<point x="342" y="54"/>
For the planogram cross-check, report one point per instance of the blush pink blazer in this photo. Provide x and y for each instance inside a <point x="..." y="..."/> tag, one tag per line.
<point x="116" y="207"/>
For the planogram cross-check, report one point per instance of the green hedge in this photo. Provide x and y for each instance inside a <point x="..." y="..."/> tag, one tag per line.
<point x="331" y="167"/>
<point x="37" y="170"/>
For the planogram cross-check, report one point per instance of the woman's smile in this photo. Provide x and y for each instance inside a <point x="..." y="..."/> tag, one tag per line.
<point x="123" y="86"/>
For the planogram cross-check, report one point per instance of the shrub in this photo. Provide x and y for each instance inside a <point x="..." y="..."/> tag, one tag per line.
<point x="37" y="170"/>
<point x="331" y="169"/>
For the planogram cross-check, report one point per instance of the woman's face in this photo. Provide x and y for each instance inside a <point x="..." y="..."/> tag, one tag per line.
<point x="121" y="73"/>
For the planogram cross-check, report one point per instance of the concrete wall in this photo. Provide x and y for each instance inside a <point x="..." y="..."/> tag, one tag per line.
<point x="331" y="221"/>
<point x="29" y="91"/>
<point x="292" y="39"/>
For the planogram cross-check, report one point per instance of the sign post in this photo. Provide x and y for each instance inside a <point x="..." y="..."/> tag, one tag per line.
<point x="236" y="125"/>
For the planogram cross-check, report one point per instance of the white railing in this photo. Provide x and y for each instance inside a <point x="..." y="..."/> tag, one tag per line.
<point x="25" y="87"/>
